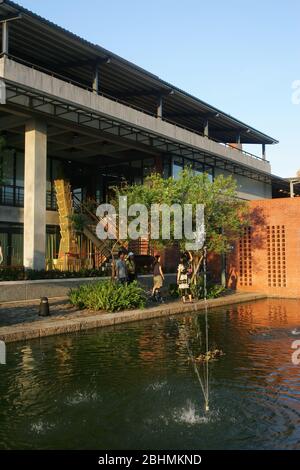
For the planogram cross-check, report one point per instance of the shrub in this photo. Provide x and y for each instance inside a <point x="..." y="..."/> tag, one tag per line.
<point x="12" y="274"/>
<point x="213" y="290"/>
<point x="109" y="296"/>
<point x="174" y="291"/>
<point x="22" y="274"/>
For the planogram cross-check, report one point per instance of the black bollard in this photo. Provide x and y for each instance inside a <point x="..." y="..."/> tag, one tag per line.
<point x="44" y="307"/>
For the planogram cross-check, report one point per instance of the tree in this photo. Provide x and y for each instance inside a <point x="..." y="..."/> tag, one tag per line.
<point x="225" y="214"/>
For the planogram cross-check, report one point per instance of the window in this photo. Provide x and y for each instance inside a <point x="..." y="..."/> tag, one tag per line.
<point x="148" y="167"/>
<point x="177" y="167"/>
<point x="12" y="189"/>
<point x="11" y="237"/>
<point x="198" y="168"/>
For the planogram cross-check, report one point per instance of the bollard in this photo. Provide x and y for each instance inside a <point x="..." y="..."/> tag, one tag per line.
<point x="44" y="307"/>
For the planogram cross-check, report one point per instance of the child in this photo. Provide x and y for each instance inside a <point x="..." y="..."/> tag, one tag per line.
<point x="183" y="280"/>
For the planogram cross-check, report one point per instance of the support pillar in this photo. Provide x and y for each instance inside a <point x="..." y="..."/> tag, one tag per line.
<point x="5" y="37"/>
<point x="206" y="129"/>
<point x="263" y="151"/>
<point x="96" y="80"/>
<point x="238" y="142"/>
<point x="35" y="194"/>
<point x="292" y="194"/>
<point x="159" y="111"/>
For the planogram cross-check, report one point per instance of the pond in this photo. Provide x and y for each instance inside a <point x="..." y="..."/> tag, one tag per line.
<point x="133" y="386"/>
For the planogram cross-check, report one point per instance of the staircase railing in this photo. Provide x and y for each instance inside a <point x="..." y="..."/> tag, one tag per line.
<point x="104" y="248"/>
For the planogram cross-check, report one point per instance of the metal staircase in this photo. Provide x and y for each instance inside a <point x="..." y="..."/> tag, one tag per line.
<point x="104" y="249"/>
<point x="68" y="206"/>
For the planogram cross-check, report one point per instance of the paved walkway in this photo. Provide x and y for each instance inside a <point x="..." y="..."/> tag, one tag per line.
<point x="20" y="321"/>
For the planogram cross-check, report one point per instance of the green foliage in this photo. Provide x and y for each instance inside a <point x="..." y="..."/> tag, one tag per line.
<point x="174" y="291"/>
<point x="78" y="221"/>
<point x="213" y="290"/>
<point x="20" y="274"/>
<point x="108" y="296"/>
<point x="12" y="274"/>
<point x="225" y="214"/>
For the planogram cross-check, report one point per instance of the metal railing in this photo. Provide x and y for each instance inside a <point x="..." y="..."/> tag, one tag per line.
<point x="11" y="195"/>
<point x="86" y="87"/>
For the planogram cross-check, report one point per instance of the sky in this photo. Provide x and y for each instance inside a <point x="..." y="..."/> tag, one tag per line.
<point x="241" y="56"/>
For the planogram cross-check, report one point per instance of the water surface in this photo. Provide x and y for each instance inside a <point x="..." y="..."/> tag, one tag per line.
<point x="133" y="387"/>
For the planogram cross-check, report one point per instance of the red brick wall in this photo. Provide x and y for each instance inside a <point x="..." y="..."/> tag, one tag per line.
<point x="267" y="258"/>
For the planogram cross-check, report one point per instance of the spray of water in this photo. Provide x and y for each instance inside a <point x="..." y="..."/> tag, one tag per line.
<point x="203" y="379"/>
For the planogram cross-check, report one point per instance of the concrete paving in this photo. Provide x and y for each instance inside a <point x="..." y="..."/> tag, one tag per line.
<point x="20" y="321"/>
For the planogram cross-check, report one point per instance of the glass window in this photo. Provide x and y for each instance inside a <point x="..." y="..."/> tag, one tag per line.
<point x="198" y="168"/>
<point x="20" y="169"/>
<point x="57" y="169"/>
<point x="17" y="249"/>
<point x="136" y="170"/>
<point x="177" y="167"/>
<point x="209" y="171"/>
<point x="4" y="246"/>
<point x="166" y="167"/>
<point x="148" y="167"/>
<point x="8" y="167"/>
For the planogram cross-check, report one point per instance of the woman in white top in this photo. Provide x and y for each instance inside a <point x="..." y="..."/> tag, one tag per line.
<point x="183" y="280"/>
<point x="1" y="254"/>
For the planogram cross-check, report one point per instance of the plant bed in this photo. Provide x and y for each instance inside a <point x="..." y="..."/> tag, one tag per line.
<point x="19" y="273"/>
<point x="109" y="296"/>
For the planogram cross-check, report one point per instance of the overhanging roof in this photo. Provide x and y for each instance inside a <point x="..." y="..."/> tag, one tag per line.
<point x="40" y="42"/>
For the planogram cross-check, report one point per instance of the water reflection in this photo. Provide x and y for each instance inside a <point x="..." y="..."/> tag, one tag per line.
<point x="133" y="386"/>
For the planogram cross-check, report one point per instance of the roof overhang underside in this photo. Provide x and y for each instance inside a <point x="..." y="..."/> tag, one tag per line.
<point x="34" y="40"/>
<point x="59" y="112"/>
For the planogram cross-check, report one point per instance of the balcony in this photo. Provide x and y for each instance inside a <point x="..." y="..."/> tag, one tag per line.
<point x="13" y="196"/>
<point x="42" y="90"/>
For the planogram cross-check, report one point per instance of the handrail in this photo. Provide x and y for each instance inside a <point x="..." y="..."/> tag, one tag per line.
<point x="81" y="205"/>
<point x="125" y="103"/>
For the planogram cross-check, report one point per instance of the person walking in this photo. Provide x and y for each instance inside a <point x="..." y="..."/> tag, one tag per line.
<point x="183" y="280"/>
<point x="121" y="269"/>
<point x="131" y="268"/>
<point x="1" y="254"/>
<point x="158" y="278"/>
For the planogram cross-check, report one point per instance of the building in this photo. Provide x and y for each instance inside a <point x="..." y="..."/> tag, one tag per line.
<point x="73" y="111"/>
<point x="267" y="258"/>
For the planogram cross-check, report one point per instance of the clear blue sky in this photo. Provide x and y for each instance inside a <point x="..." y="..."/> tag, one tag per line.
<point x="241" y="56"/>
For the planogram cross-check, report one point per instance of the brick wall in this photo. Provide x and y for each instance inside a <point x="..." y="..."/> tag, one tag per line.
<point x="267" y="257"/>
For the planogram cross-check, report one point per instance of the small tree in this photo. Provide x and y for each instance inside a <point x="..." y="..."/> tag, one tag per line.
<point x="225" y="214"/>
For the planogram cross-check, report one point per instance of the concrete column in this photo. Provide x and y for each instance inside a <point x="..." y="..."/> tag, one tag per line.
<point x="5" y="37"/>
<point x="292" y="194"/>
<point x="206" y="129"/>
<point x="238" y="142"/>
<point x="35" y="194"/>
<point x="96" y="80"/>
<point x="160" y="107"/>
<point x="263" y="151"/>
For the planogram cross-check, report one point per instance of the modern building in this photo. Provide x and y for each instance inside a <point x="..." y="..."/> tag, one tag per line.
<point x="74" y="111"/>
<point x="267" y="257"/>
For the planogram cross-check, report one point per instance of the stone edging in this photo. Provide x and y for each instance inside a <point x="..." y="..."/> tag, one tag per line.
<point x="49" y="327"/>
